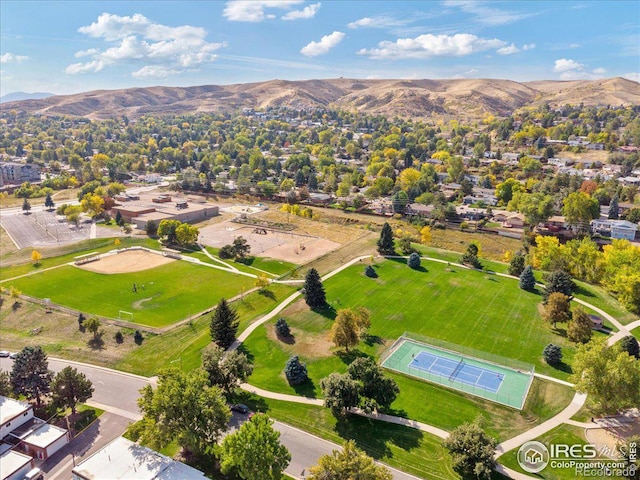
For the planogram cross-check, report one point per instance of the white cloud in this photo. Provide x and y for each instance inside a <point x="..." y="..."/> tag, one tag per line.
<point x="307" y="12"/>
<point x="11" y="58"/>
<point x="159" y="50"/>
<point x="363" y="22"/>
<point x="528" y="46"/>
<point x="566" y="64"/>
<point x="635" y="76"/>
<point x="572" y="70"/>
<point x="574" y="45"/>
<point x="485" y="15"/>
<point x="322" y="47"/>
<point x="509" y="50"/>
<point x="254" y="10"/>
<point x="429" y="45"/>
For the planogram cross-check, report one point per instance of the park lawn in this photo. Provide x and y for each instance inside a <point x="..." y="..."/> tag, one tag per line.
<point x="165" y="294"/>
<point x="182" y="346"/>
<point x="604" y="300"/>
<point x="566" y="434"/>
<point x="405" y="448"/>
<point x="60" y="255"/>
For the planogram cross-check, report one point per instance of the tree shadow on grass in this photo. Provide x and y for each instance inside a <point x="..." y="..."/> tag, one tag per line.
<point x="254" y="402"/>
<point x="350" y="356"/>
<point x="96" y="343"/>
<point x="579" y="290"/>
<point x="328" y="311"/>
<point x="267" y="293"/>
<point x="373" y="339"/>
<point x="306" y="389"/>
<point x="288" y="339"/>
<point x="244" y="350"/>
<point x="375" y="437"/>
<point x="560" y="331"/>
<point x="420" y="269"/>
<point x="563" y="367"/>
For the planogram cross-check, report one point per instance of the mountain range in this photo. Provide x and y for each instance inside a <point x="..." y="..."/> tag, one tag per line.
<point x="465" y="99"/>
<point x="15" y="96"/>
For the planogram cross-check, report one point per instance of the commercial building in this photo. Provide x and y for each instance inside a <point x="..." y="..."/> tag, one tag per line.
<point x="12" y="173"/>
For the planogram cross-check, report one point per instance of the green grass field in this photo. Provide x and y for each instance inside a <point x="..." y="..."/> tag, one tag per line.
<point x="171" y="292"/>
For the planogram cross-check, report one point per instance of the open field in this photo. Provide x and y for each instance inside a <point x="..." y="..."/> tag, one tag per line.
<point x="162" y="296"/>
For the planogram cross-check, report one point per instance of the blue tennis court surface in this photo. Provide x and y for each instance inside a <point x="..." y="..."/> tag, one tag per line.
<point x="458" y="371"/>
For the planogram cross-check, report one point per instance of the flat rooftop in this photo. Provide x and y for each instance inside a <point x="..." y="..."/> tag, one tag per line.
<point x="124" y="459"/>
<point x="42" y="435"/>
<point x="10" y="409"/>
<point x="12" y="461"/>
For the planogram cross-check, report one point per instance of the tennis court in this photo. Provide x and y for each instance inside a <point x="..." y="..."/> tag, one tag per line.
<point x="457" y="367"/>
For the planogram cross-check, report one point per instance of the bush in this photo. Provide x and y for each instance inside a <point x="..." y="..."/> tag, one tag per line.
<point x="226" y="252"/>
<point x="282" y="328"/>
<point x="81" y="319"/>
<point x="370" y="272"/>
<point x="552" y="354"/>
<point x="295" y="371"/>
<point x="630" y="345"/>
<point x="137" y="337"/>
<point x="413" y="261"/>
<point x="119" y="338"/>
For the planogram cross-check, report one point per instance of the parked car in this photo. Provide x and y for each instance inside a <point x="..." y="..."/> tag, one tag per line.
<point x="13" y="355"/>
<point x="240" y="407"/>
<point x="4" y="353"/>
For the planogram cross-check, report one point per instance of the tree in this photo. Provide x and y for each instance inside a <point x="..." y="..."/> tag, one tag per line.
<point x="340" y="392"/>
<point x="614" y="209"/>
<point x="471" y="451"/>
<point x="240" y="247"/>
<point x="536" y="207"/>
<point x="608" y="375"/>
<point x="93" y="325"/>
<point x="348" y="326"/>
<point x="255" y="451"/>
<point x="226" y="371"/>
<point x="70" y="387"/>
<point x="385" y="242"/>
<point x="224" y="324"/>
<point x="314" y="293"/>
<point x="15" y="293"/>
<point x="370" y="272"/>
<point x="262" y="281"/>
<point x="92" y="204"/>
<point x="516" y="266"/>
<point x="348" y="463"/>
<point x="186" y="234"/>
<point x="556" y="310"/>
<point x="552" y="354"/>
<point x="120" y="220"/>
<point x="295" y="371"/>
<point x="137" y="337"/>
<point x="30" y="375"/>
<point x="579" y="209"/>
<point x="48" y="202"/>
<point x="167" y="230"/>
<point x="425" y="235"/>
<point x="630" y="345"/>
<point x="374" y="385"/>
<point x="183" y="407"/>
<point x="414" y="261"/>
<point x="471" y="256"/>
<point x="559" y="282"/>
<point x="26" y="206"/>
<point x="579" y="327"/>
<point x="6" y="390"/>
<point x="282" y="328"/>
<point x="36" y="256"/>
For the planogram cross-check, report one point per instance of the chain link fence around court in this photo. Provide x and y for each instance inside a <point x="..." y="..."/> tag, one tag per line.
<point x="515" y="377"/>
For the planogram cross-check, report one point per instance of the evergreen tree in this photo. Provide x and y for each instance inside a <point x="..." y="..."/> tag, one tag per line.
<point x="48" y="202"/>
<point x="527" y="280"/>
<point x="552" y="354"/>
<point x="26" y="206"/>
<point x="630" y="345"/>
<point x="30" y="375"/>
<point x="385" y="242"/>
<point x="282" y="328"/>
<point x="370" y="272"/>
<point x="314" y="293"/>
<point x="69" y="387"/>
<point x="559" y="282"/>
<point x="224" y="324"/>
<point x="295" y="371"/>
<point x="119" y="219"/>
<point x="313" y="182"/>
<point x="413" y="261"/>
<point x="614" y="210"/>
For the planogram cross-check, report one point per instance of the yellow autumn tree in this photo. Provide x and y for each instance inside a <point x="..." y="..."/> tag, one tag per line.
<point x="36" y="256"/>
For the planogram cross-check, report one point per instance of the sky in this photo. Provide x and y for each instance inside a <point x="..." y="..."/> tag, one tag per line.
<point x="66" y="47"/>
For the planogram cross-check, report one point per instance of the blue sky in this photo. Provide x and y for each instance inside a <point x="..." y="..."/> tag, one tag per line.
<point x="68" y="47"/>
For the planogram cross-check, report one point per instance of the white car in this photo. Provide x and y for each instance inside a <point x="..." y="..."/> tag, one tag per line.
<point x="4" y="353"/>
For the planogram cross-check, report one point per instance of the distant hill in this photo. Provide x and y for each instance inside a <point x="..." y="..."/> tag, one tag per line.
<point x="16" y="96"/>
<point x="464" y="99"/>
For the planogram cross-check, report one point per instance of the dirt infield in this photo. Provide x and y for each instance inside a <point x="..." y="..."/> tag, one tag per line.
<point x="126" y="262"/>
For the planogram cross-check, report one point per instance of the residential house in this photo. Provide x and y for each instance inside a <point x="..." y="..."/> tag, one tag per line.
<point x="13" y="465"/>
<point x="418" y="210"/>
<point x="617" y="229"/>
<point x="12" y="173"/>
<point x="40" y="439"/>
<point x="123" y="458"/>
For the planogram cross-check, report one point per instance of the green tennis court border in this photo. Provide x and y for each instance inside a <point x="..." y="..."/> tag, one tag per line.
<point x="518" y="376"/>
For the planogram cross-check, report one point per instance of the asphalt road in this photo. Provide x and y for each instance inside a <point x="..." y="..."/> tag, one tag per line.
<point x="117" y="393"/>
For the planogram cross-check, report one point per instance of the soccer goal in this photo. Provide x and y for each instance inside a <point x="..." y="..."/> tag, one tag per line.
<point x="124" y="315"/>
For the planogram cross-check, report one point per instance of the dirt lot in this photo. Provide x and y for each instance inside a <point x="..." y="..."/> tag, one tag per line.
<point x="125" y="262"/>
<point x="290" y="246"/>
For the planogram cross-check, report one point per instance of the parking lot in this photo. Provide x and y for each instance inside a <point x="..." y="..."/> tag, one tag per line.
<point x="41" y="229"/>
